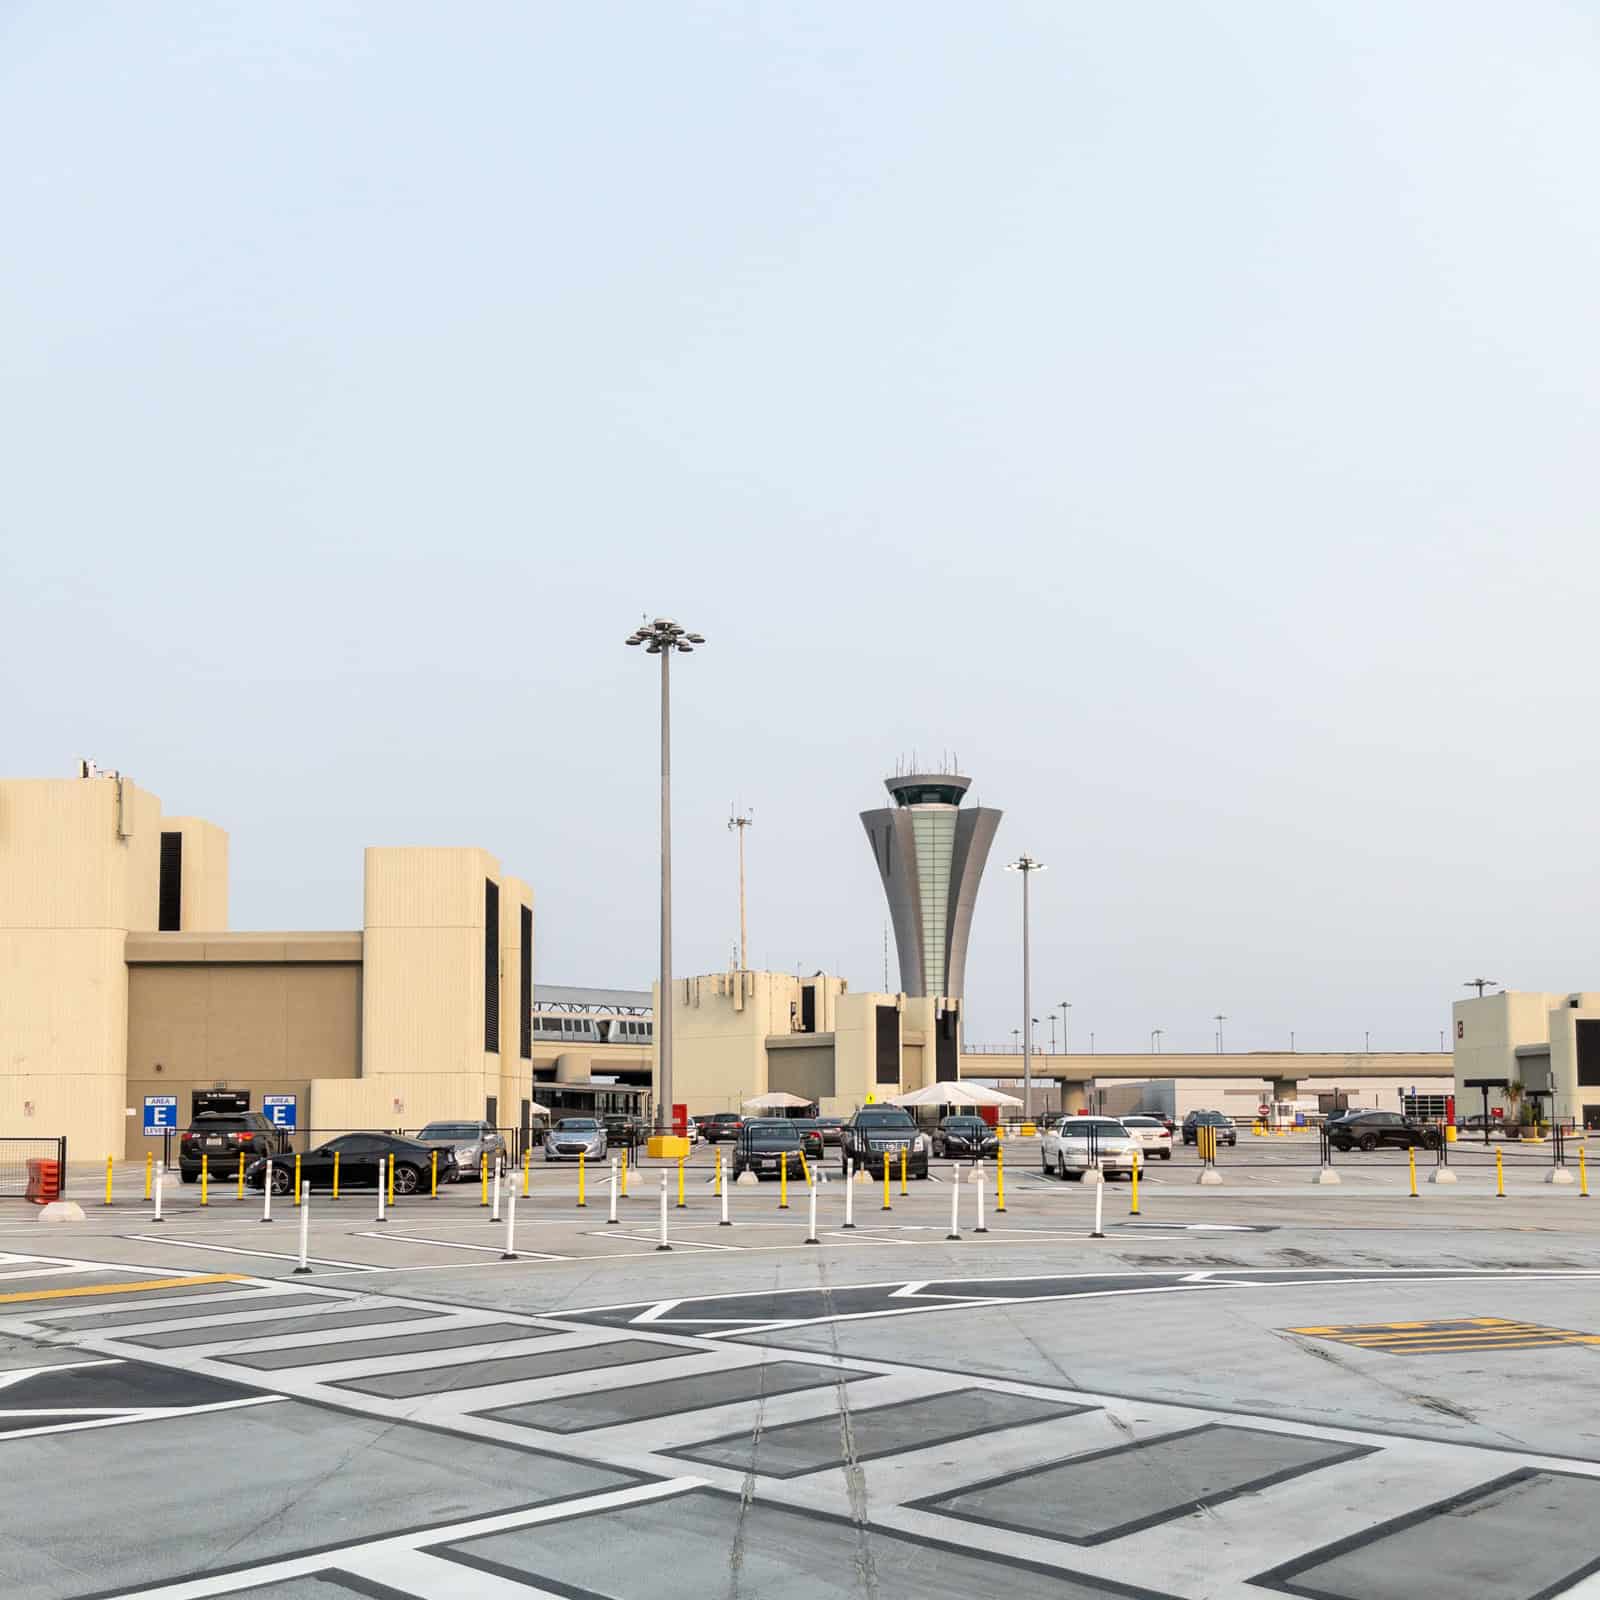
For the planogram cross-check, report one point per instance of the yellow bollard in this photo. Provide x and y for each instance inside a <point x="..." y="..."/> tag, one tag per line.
<point x="1583" y="1176"/>
<point x="297" y="1177"/>
<point x="1133" y="1208"/>
<point x="391" y="1178"/>
<point x="483" y="1178"/>
<point x="1000" y="1179"/>
<point x="108" y="1180"/>
<point x="239" y="1192"/>
<point x="624" y="1186"/>
<point x="205" y="1180"/>
<point x="335" y="1174"/>
<point x="886" y="1205"/>
<point x="527" y="1170"/>
<point x="582" y="1200"/>
<point x="433" y="1176"/>
<point x="805" y="1171"/>
<point x="718" y="1189"/>
<point x="903" y="1158"/>
<point x="1499" y="1175"/>
<point x="680" y="1183"/>
<point x="783" y="1182"/>
<point x="149" y="1169"/>
<point x="1411" y="1151"/>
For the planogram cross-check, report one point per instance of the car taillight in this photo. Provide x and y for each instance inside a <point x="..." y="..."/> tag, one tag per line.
<point x="243" y="1137"/>
<point x="189" y="1138"/>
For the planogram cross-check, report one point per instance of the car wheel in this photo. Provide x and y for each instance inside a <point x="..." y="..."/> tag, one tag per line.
<point x="407" y="1180"/>
<point x="1166" y="1155"/>
<point x="1368" y="1142"/>
<point x="190" y="1177"/>
<point x="282" y="1180"/>
<point x="1044" y="1164"/>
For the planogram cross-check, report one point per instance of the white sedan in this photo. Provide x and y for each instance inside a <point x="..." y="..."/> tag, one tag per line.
<point x="1154" y="1136"/>
<point x="1075" y="1145"/>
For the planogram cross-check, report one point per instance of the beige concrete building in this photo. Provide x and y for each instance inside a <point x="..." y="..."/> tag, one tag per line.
<point x="119" y="979"/>
<point x="1526" y="1049"/>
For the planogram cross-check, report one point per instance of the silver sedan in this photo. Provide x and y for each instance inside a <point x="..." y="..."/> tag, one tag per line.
<point x="572" y="1137"/>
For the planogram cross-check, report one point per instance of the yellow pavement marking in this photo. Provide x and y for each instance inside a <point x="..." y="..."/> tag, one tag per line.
<point x="1448" y="1335"/>
<point x="122" y="1288"/>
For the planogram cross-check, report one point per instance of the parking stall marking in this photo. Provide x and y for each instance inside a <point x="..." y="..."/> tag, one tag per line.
<point x="133" y="1285"/>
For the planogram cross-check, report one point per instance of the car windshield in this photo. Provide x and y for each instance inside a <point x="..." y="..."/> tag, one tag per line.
<point x="450" y="1130"/>
<point x="1141" y="1122"/>
<point x="875" y="1118"/>
<point x="577" y="1125"/>
<point x="1104" y="1127"/>
<point x="1210" y="1118"/>
<point x="772" y="1133"/>
<point x="964" y="1124"/>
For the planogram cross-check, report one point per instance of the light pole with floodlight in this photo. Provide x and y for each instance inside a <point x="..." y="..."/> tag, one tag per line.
<point x="662" y="638"/>
<point x="1027" y="866"/>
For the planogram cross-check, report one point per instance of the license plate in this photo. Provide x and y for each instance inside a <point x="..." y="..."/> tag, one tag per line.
<point x="215" y="1141"/>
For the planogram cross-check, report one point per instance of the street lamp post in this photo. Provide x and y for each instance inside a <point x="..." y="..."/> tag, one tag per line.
<point x="1219" y="1019"/>
<point x="1155" y="1040"/>
<point x="1027" y="866"/>
<point x="1066" y="1027"/>
<point x="662" y="638"/>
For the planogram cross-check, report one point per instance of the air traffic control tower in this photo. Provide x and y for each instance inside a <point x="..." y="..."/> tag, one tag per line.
<point x="930" y="855"/>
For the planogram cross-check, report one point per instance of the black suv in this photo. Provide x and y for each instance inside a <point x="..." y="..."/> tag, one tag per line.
<point x="222" y="1135"/>
<point x="876" y="1135"/>
<point x="1366" y="1130"/>
<point x="1226" y="1132"/>
<point x="720" y="1125"/>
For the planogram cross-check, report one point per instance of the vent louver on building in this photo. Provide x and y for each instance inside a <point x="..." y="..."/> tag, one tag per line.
<point x="491" y="966"/>
<point x="169" y="910"/>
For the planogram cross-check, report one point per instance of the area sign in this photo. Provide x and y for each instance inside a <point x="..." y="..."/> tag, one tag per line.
<point x="280" y="1110"/>
<point x="160" y="1114"/>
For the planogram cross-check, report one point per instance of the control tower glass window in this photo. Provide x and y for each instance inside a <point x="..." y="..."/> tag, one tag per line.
<point x="935" y="835"/>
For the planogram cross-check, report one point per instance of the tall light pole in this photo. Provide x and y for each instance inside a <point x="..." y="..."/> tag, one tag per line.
<point x="1027" y="866"/>
<point x="1066" y="1027"/>
<point x="662" y="638"/>
<point x="738" y="822"/>
<point x="1219" y="1019"/>
<point x="1155" y="1040"/>
<point x="1053" y="1033"/>
<point x="1480" y="984"/>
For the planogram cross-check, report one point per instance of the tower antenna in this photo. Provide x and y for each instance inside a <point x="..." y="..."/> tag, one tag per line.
<point x="738" y="821"/>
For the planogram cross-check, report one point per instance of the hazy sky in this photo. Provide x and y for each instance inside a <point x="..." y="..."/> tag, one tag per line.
<point x="1184" y="411"/>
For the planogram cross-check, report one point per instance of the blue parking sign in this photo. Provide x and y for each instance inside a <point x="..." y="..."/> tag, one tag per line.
<point x="160" y="1114"/>
<point x="281" y="1111"/>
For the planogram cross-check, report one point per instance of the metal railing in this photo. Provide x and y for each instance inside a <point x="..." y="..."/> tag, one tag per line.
<point x="17" y="1152"/>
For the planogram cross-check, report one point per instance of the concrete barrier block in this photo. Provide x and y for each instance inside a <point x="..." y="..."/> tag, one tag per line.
<point x="1554" y="1175"/>
<point x="747" y="1180"/>
<point x="1442" y="1175"/>
<point x="1209" y="1175"/>
<point x="70" y="1211"/>
<point x="1327" y="1175"/>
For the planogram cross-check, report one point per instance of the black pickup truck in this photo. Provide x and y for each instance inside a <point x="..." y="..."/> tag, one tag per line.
<point x="877" y="1134"/>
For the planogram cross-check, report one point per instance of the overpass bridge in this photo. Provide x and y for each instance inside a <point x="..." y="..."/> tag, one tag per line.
<point x="1282" y="1071"/>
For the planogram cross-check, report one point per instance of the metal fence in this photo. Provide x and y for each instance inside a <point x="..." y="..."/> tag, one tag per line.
<point x="16" y="1153"/>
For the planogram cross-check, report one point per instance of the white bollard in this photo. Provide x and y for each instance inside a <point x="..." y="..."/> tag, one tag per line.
<point x="380" y="1191"/>
<point x="811" y="1215"/>
<point x="494" y="1210"/>
<point x="305" y="1229"/>
<point x="849" y="1194"/>
<point x="611" y="1219"/>
<point x="955" y="1212"/>
<point x="158" y="1217"/>
<point x="1099" y="1208"/>
<point x="510" y="1251"/>
<point x="725" y="1223"/>
<point x="266" y="1193"/>
<point x="982" y="1226"/>
<point x="663" y="1245"/>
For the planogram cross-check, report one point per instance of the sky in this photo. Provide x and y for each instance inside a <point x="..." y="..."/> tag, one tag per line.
<point x="1184" y="413"/>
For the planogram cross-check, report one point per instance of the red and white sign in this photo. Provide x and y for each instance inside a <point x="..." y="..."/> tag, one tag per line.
<point x="1263" y="1111"/>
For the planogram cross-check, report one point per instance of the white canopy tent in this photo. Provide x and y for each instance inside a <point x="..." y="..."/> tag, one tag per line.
<point x="777" y="1101"/>
<point x="949" y="1092"/>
